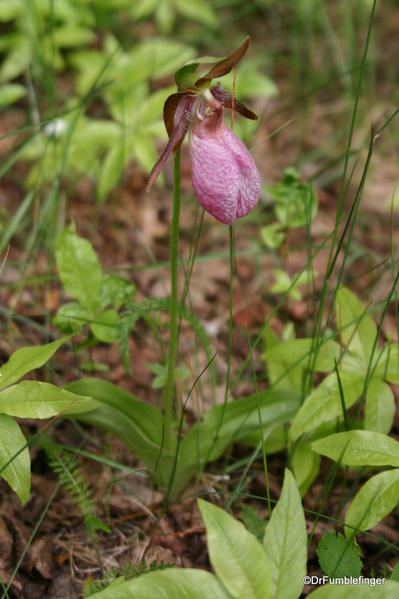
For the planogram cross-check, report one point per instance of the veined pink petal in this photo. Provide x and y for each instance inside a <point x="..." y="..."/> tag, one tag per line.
<point x="225" y="178"/>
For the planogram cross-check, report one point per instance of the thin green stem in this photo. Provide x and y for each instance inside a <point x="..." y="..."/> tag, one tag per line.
<point x="174" y="280"/>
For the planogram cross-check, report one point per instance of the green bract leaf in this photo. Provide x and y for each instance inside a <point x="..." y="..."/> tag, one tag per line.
<point x="380" y="407"/>
<point x="31" y="399"/>
<point x="15" y="470"/>
<point x="375" y="500"/>
<point x="79" y="269"/>
<point x="238" y="559"/>
<point x="26" y="359"/>
<point x="337" y="557"/>
<point x="171" y="583"/>
<point x="359" y="448"/>
<point x="324" y="403"/>
<point x="357" y="328"/>
<point x="285" y="542"/>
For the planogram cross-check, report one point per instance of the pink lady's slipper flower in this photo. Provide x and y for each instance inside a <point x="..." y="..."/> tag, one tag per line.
<point x="225" y="178"/>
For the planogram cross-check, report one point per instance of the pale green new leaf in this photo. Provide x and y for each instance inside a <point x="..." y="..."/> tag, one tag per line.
<point x="26" y="359"/>
<point x="17" y="470"/>
<point x="79" y="269"/>
<point x="31" y="399"/>
<point x="359" y="448"/>
<point x="285" y="542"/>
<point x="172" y="583"/>
<point x="301" y="352"/>
<point x="388" y="366"/>
<point x="388" y="590"/>
<point x="10" y="93"/>
<point x="357" y="328"/>
<point x="238" y="559"/>
<point x="380" y="407"/>
<point x="325" y="403"/>
<point x="305" y="465"/>
<point x="375" y="500"/>
<point x="105" y="326"/>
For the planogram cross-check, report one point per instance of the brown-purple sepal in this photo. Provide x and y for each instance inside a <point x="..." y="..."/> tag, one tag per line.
<point x="177" y="120"/>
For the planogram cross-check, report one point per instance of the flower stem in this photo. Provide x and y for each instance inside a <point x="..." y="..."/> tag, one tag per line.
<point x="174" y="280"/>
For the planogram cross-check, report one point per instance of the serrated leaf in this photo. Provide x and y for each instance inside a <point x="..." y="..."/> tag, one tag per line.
<point x="15" y="470"/>
<point x="285" y="542"/>
<point x="79" y="269"/>
<point x="25" y="359"/>
<point x="380" y="407"/>
<point x="359" y="448"/>
<point x="337" y="557"/>
<point x="32" y="399"/>
<point x="305" y="465"/>
<point x="295" y="202"/>
<point x="238" y="559"/>
<point x="324" y="403"/>
<point x="358" y="329"/>
<point x="375" y="500"/>
<point x="116" y="291"/>
<point x="172" y="583"/>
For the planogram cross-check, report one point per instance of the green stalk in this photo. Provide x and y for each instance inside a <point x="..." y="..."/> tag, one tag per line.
<point x="174" y="280"/>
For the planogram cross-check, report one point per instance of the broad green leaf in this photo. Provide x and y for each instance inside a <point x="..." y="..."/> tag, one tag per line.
<point x="112" y="168"/>
<point x="325" y="403"/>
<point x="198" y="10"/>
<point x="71" y="317"/>
<point x="26" y="359"/>
<point x="138" y="424"/>
<point x="301" y="352"/>
<point x="172" y="583"/>
<point x="238" y="559"/>
<point x="10" y="93"/>
<point x="388" y="366"/>
<point x="358" y="329"/>
<point x="359" y="448"/>
<point x="385" y="590"/>
<point x="375" y="500"/>
<point x="79" y="269"/>
<point x="380" y="407"/>
<point x="305" y="465"/>
<point x="285" y="542"/>
<point x="160" y="56"/>
<point x="337" y="556"/>
<point x="105" y="326"/>
<point x="17" y="472"/>
<point x="70" y="36"/>
<point x="10" y="10"/>
<point x="206" y="441"/>
<point x="31" y="399"/>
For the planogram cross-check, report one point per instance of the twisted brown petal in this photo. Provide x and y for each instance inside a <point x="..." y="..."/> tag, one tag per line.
<point x="226" y="99"/>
